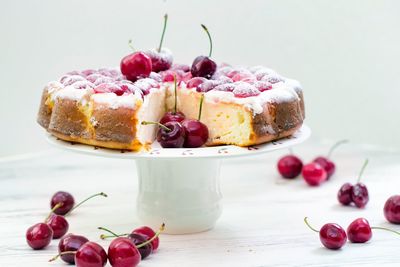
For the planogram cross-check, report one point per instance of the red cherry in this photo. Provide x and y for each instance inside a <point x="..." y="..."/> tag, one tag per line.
<point x="138" y="239"/>
<point x="136" y="66"/>
<point x="359" y="195"/>
<point x="172" y="116"/>
<point x="160" y="60"/>
<point x="290" y="166"/>
<point x="174" y="137"/>
<point x="332" y="236"/>
<point x="70" y="242"/>
<point x="195" y="82"/>
<point x="344" y="194"/>
<point x="243" y="90"/>
<point x="314" y="174"/>
<point x="392" y="209"/>
<point x="147" y="231"/>
<point x="90" y="254"/>
<point x="196" y="133"/>
<point x="66" y="199"/>
<point x="59" y="225"/>
<point x="203" y="66"/>
<point x="325" y="163"/>
<point x="359" y="231"/>
<point x="122" y="252"/>
<point x="39" y="235"/>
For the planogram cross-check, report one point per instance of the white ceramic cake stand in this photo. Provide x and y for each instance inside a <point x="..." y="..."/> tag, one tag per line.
<point x="181" y="186"/>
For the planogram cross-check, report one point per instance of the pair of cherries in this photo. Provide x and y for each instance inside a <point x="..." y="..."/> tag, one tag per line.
<point x="122" y="252"/>
<point x="55" y="225"/>
<point x="314" y="173"/>
<point x="333" y="236"/>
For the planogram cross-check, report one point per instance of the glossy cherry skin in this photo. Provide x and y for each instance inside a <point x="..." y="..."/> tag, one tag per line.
<point x="147" y="231"/>
<point x="136" y="66"/>
<point x="174" y="138"/>
<point x="59" y="225"/>
<point x="39" y="235"/>
<point x="90" y="254"/>
<point x="332" y="236"/>
<point x="172" y="116"/>
<point x="314" y="174"/>
<point x="138" y="239"/>
<point x="70" y="242"/>
<point x="290" y="166"/>
<point x="344" y="194"/>
<point x="123" y="253"/>
<point x="66" y="199"/>
<point x="359" y="195"/>
<point x="327" y="164"/>
<point x="392" y="209"/>
<point x="203" y="67"/>
<point x="196" y="133"/>
<point x="359" y="231"/>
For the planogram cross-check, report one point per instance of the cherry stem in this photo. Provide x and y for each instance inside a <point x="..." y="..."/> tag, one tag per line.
<point x="108" y="231"/>
<point x="83" y="201"/>
<point x="386" y="229"/>
<point x="209" y="38"/>
<point x="156" y="123"/>
<point x="52" y="210"/>
<point x="175" y="93"/>
<point x="163" y="32"/>
<point x="201" y="106"/>
<point x="362" y="170"/>
<point x="309" y="226"/>
<point x="103" y="236"/>
<point x="162" y="227"/>
<point x="338" y="143"/>
<point x="60" y="254"/>
<point x="131" y="45"/>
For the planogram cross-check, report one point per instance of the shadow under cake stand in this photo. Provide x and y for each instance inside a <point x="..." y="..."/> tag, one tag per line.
<point x="180" y="186"/>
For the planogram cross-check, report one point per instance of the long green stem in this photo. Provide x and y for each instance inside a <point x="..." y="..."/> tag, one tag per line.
<point x="335" y="146"/>
<point x="108" y="231"/>
<point x="103" y="236"/>
<point x="52" y="210"/>
<point x="209" y="38"/>
<point x="309" y="226"/>
<point x="176" y="97"/>
<point x="201" y="106"/>
<point x="86" y="199"/>
<point x="62" y="253"/>
<point x="386" y="229"/>
<point x="156" y="123"/>
<point x="162" y="227"/>
<point x="362" y="170"/>
<point x="163" y="32"/>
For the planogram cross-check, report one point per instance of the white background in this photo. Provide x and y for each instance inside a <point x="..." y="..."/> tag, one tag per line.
<point x="345" y="53"/>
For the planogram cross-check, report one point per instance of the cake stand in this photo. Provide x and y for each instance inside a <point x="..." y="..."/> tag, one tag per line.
<point x="180" y="186"/>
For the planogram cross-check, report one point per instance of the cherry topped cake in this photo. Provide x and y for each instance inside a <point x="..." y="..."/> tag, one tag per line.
<point x="126" y="108"/>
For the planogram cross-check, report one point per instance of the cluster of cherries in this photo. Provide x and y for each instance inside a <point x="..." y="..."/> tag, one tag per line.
<point x="333" y="236"/>
<point x="314" y="173"/>
<point x="76" y="249"/>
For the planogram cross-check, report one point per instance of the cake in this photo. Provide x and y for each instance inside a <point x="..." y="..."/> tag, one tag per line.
<point x="242" y="106"/>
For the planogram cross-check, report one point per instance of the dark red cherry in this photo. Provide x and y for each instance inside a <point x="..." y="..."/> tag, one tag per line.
<point x="359" y="195"/>
<point x="392" y="209"/>
<point x="70" y="242"/>
<point x="314" y="174"/>
<point x="328" y="165"/>
<point x="66" y="199"/>
<point x="123" y="253"/>
<point x="172" y="135"/>
<point x="359" y="231"/>
<point x="332" y="236"/>
<point x="290" y="166"/>
<point x="196" y="133"/>
<point x="203" y="66"/>
<point x="160" y="60"/>
<point x="138" y="239"/>
<point x="90" y="254"/>
<point x="59" y="225"/>
<point x="136" y="66"/>
<point x="344" y="194"/>
<point x="147" y="231"/>
<point x="172" y="116"/>
<point x="39" y="235"/>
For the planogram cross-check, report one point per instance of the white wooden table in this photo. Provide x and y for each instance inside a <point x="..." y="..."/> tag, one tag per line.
<point x="262" y="223"/>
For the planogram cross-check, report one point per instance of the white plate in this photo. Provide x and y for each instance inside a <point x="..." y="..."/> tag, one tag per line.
<point x="170" y="153"/>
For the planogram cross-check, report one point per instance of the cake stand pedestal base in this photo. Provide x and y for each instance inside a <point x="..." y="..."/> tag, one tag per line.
<point x="184" y="194"/>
